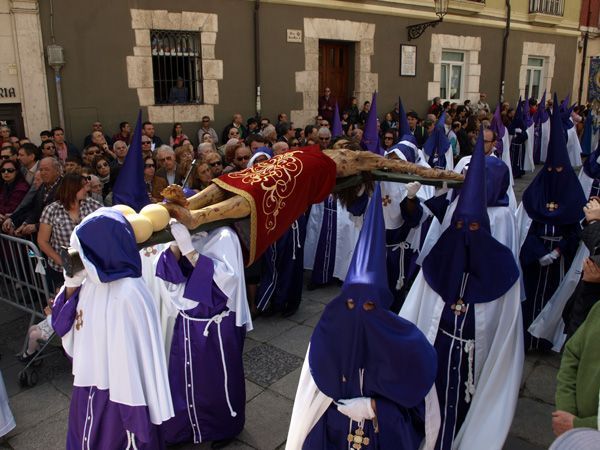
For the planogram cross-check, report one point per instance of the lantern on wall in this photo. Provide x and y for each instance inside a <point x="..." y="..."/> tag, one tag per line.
<point x="441" y="8"/>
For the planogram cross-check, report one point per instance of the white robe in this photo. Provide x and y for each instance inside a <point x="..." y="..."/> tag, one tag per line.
<point x="549" y="324"/>
<point x="512" y="199"/>
<point x="506" y="155"/>
<point x="545" y="140"/>
<point x="499" y="353"/>
<point x="309" y="406"/>
<point x="499" y="358"/>
<point x="7" y="421"/>
<point x="528" y="164"/>
<point x="104" y="354"/>
<point x="574" y="147"/>
<point x="347" y="229"/>
<point x="223" y="247"/>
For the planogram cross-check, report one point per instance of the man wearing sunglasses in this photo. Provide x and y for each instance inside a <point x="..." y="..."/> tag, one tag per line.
<point x="8" y="152"/>
<point x="25" y="220"/>
<point x="168" y="167"/>
<point x="206" y="128"/>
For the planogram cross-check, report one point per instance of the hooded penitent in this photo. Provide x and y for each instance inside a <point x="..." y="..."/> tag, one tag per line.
<point x="370" y="138"/>
<point x="130" y="188"/>
<point x="358" y="332"/>
<point x="437" y="145"/>
<point x="555" y="196"/>
<point x="467" y="262"/>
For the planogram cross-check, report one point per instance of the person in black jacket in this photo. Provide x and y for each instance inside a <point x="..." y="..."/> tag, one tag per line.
<point x="587" y="292"/>
<point x="24" y="221"/>
<point x="416" y="130"/>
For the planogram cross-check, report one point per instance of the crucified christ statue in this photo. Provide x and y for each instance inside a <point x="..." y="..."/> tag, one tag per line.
<point x="276" y="192"/>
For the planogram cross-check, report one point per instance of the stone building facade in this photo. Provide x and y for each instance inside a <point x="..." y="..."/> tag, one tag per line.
<point x="278" y="46"/>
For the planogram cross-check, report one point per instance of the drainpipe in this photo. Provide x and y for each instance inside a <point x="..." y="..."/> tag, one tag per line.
<point x="257" y="55"/>
<point x="504" y="50"/>
<point x="584" y="55"/>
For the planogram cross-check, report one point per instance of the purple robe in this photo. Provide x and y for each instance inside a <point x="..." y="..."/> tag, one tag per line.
<point x="206" y="371"/>
<point x="283" y="270"/>
<point x="96" y="422"/>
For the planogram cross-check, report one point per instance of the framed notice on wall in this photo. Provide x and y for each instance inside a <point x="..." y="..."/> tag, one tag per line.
<point x="408" y="60"/>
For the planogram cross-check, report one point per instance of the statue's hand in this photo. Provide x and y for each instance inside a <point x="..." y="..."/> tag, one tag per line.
<point x="180" y="213"/>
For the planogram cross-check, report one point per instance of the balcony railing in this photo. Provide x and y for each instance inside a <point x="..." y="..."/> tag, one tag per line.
<point x="551" y="7"/>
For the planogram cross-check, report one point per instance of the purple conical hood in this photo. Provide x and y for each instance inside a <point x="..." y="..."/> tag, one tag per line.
<point x="437" y="144"/>
<point x="336" y="126"/>
<point x="359" y="347"/>
<point x="497" y="125"/>
<point x="130" y="187"/>
<point x="467" y="262"/>
<point x="402" y="120"/>
<point x="555" y="196"/>
<point x="541" y="115"/>
<point x="368" y="261"/>
<point x="370" y="138"/>
<point x="472" y="202"/>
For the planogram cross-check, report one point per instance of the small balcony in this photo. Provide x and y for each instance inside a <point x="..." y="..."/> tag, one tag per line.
<point x="546" y="12"/>
<point x="468" y="7"/>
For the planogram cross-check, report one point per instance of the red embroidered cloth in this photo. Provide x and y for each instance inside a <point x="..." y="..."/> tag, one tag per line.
<point x="279" y="190"/>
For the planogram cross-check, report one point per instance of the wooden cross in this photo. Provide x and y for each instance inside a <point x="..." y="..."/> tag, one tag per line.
<point x="79" y="320"/>
<point x="552" y="206"/>
<point x="358" y="440"/>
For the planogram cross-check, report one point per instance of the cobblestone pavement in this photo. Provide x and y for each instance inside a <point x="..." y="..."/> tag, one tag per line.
<point x="273" y="356"/>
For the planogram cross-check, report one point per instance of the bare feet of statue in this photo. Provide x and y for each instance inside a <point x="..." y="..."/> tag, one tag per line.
<point x="180" y="213"/>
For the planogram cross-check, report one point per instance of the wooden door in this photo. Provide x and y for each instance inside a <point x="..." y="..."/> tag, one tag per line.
<point x="334" y="70"/>
<point x="10" y="115"/>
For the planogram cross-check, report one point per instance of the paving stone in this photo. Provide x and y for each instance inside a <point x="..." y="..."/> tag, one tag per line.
<point x="250" y="343"/>
<point x="36" y="405"/>
<point x="528" y="367"/>
<point x="9" y="313"/>
<point x="308" y="308"/>
<point x="288" y="385"/>
<point x="533" y="422"/>
<point x="267" y="421"/>
<point x="324" y="294"/>
<point x="515" y="443"/>
<point x="266" y="328"/>
<point x="50" y="434"/>
<point x="266" y="364"/>
<point x="541" y="384"/>
<point x="552" y="359"/>
<point x="312" y="322"/>
<point x="63" y="382"/>
<point x="252" y="390"/>
<point x="294" y="340"/>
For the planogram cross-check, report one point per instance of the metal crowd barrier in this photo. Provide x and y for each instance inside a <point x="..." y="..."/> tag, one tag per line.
<point x="23" y="285"/>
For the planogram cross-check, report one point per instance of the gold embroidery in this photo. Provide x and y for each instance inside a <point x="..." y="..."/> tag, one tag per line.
<point x="79" y="320"/>
<point x="277" y="177"/>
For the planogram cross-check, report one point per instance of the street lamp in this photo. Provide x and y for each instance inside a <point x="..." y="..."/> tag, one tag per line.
<point x="56" y="60"/>
<point x="415" y="31"/>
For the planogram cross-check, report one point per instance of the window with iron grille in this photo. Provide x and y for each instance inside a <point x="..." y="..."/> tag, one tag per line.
<point x="552" y="7"/>
<point x="176" y="67"/>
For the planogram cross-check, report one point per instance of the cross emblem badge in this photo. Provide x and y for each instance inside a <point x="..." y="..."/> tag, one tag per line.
<point x="386" y="200"/>
<point x="358" y="439"/>
<point x="459" y="307"/>
<point x="552" y="206"/>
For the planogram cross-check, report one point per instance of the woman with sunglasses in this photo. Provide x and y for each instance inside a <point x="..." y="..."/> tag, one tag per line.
<point x="154" y="184"/>
<point x="59" y="220"/>
<point x="237" y="155"/>
<point x="101" y="166"/>
<point x="12" y="188"/>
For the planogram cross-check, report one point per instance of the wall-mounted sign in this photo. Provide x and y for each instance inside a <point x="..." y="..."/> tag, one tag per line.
<point x="7" y="92"/>
<point x="294" y="36"/>
<point x="408" y="60"/>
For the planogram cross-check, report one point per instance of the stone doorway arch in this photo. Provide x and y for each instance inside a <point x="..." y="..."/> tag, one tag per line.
<point x="307" y="81"/>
